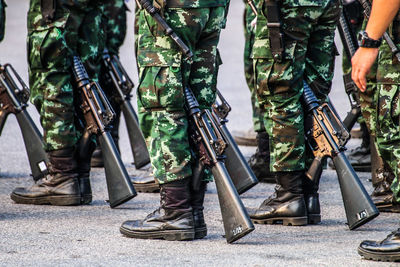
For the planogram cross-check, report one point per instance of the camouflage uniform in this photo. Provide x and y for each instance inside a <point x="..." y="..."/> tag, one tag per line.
<point x="163" y="73"/>
<point x="76" y="29"/>
<point x="115" y="12"/>
<point x="308" y="28"/>
<point x="2" y="18"/>
<point x="249" y="33"/>
<point x="388" y="114"/>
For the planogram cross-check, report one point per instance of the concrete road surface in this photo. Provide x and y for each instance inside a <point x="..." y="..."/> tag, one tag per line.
<point x="89" y="235"/>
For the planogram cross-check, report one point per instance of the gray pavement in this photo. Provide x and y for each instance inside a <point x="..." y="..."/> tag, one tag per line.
<point x="89" y="235"/>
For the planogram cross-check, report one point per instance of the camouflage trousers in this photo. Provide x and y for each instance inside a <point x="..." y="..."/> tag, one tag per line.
<point x="388" y="114"/>
<point x="163" y="73"/>
<point x="249" y="33"/>
<point x="75" y="30"/>
<point x="2" y="19"/>
<point x="308" y="55"/>
<point x="115" y="12"/>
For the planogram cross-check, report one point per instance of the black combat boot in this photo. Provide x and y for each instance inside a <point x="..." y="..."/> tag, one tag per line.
<point x="382" y="196"/>
<point x="60" y="187"/>
<point x="386" y="250"/>
<point x="311" y="197"/>
<point x="360" y="157"/>
<point x="286" y="205"/>
<point x="173" y="220"/>
<point x="197" y="200"/>
<point x="259" y="162"/>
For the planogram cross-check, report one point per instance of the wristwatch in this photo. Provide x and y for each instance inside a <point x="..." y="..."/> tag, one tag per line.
<point x="365" y="41"/>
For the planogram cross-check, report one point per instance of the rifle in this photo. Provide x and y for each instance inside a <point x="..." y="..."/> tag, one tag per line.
<point x="14" y="95"/>
<point x="123" y="86"/>
<point x="367" y="11"/>
<point x="241" y="174"/>
<point x="210" y="143"/>
<point x="326" y="136"/>
<point x="98" y="114"/>
<point x="350" y="45"/>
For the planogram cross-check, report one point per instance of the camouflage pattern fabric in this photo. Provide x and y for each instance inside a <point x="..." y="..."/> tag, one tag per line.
<point x="2" y="18"/>
<point x="388" y="115"/>
<point x="308" y="27"/>
<point x="75" y="30"/>
<point x="115" y="12"/>
<point x="193" y="4"/>
<point x="249" y="33"/>
<point x="163" y="73"/>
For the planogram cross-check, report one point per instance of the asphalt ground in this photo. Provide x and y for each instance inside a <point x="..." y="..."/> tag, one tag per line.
<point x="89" y="235"/>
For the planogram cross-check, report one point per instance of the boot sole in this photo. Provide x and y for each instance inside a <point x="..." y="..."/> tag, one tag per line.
<point x="370" y="255"/>
<point x="286" y="221"/>
<point x="70" y="200"/>
<point x="314" y="218"/>
<point x="200" y="232"/>
<point x="146" y="188"/>
<point x="86" y="200"/>
<point x="170" y="235"/>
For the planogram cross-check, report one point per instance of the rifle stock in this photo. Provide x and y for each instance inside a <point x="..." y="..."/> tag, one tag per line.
<point x="119" y="190"/>
<point x="359" y="207"/>
<point x="138" y="145"/>
<point x="34" y="145"/>
<point x="14" y="95"/>
<point x="236" y="220"/>
<point x="327" y="136"/>
<point x="123" y="86"/>
<point x="98" y="114"/>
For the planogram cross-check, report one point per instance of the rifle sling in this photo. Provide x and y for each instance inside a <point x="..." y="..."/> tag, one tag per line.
<point x="274" y="29"/>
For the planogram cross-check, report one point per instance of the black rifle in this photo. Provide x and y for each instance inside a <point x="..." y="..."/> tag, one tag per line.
<point x="367" y="11"/>
<point x="326" y="136"/>
<point x="241" y="174"/>
<point x="208" y="138"/>
<point x="14" y="95"/>
<point x="123" y="86"/>
<point x="350" y="45"/>
<point x="210" y="143"/>
<point x="98" y="114"/>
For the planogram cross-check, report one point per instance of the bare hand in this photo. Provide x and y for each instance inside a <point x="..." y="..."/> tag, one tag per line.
<point x="362" y="62"/>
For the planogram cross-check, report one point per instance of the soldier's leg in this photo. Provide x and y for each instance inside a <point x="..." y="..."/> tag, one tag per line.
<point x="164" y="125"/>
<point x="49" y="55"/>
<point x="115" y="30"/>
<point x="284" y="119"/>
<point x="388" y="137"/>
<point x="90" y="47"/>
<point x="260" y="159"/>
<point x="203" y="82"/>
<point x="319" y="69"/>
<point x="248" y="137"/>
